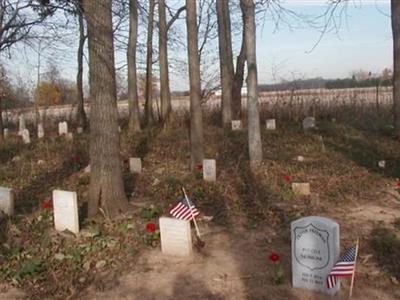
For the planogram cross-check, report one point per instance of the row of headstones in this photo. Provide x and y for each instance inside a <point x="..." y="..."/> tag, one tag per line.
<point x="24" y="132"/>
<point x="270" y="124"/>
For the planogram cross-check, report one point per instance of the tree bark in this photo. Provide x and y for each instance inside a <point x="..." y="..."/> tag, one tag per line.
<point x="165" y="93"/>
<point x="106" y="190"/>
<point x="226" y="62"/>
<point x="395" y="7"/>
<point x="149" y="115"/>
<point x="82" y="120"/>
<point x="239" y="77"/>
<point x="133" y="98"/>
<point x="196" y="115"/>
<point x="255" y="147"/>
<point x="1" y="119"/>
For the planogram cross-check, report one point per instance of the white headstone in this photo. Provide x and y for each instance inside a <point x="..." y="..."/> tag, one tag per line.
<point x="65" y="205"/>
<point x="315" y="250"/>
<point x="25" y="136"/>
<point x="270" y="124"/>
<point x="236" y="124"/>
<point x="300" y="158"/>
<point x="301" y="188"/>
<point x="79" y="130"/>
<point x="7" y="201"/>
<point x="62" y="128"/>
<point x="382" y="164"/>
<point x="6" y="132"/>
<point x="22" y="124"/>
<point x="40" y="132"/>
<point x="135" y="165"/>
<point x="209" y="170"/>
<point x="308" y="123"/>
<point x="176" y="238"/>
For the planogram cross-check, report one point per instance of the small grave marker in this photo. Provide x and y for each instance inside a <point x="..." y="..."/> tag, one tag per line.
<point x="6" y="201"/>
<point x="62" y="128"/>
<point x="40" y="132"/>
<point x="309" y="123"/>
<point x="25" y="136"/>
<point x="65" y="206"/>
<point x="79" y="130"/>
<point x="135" y="165"/>
<point x="22" y="125"/>
<point x="302" y="188"/>
<point x="209" y="170"/>
<point x="6" y="132"/>
<point x="382" y="164"/>
<point x="270" y="124"/>
<point x="176" y="238"/>
<point x="315" y="250"/>
<point x="236" y="125"/>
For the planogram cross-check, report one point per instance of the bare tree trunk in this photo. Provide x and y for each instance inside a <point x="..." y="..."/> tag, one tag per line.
<point x="196" y="115"/>
<point x="239" y="77"/>
<point x="225" y="60"/>
<point x="82" y="120"/>
<point x="149" y="115"/>
<point x="133" y="99"/>
<point x="255" y="147"/>
<point x="1" y="119"/>
<point x="396" y="65"/>
<point x="106" y="189"/>
<point x="165" y="93"/>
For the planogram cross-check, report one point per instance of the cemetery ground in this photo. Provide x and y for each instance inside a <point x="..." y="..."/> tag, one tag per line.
<point x="251" y="213"/>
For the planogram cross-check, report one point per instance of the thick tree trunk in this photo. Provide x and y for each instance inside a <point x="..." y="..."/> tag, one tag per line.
<point x="1" y="120"/>
<point x="165" y="93"/>
<point x="239" y="77"/>
<point x="82" y="120"/>
<point x="133" y="98"/>
<point x="106" y="191"/>
<point x="255" y="147"/>
<point x="196" y="115"/>
<point x="225" y="60"/>
<point x="149" y="116"/>
<point x="396" y="65"/>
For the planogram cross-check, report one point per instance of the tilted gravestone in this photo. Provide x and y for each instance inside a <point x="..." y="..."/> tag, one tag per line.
<point x="309" y="123"/>
<point x="270" y="124"/>
<point x="209" y="170"/>
<point x="7" y="201"/>
<point x="176" y="237"/>
<point x="62" y="128"/>
<point x="135" y="165"/>
<point x="25" y="136"/>
<point x="65" y="205"/>
<point x="315" y="250"/>
<point x="236" y="124"/>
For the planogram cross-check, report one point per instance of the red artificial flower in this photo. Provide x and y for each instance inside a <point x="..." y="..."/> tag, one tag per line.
<point x="150" y="227"/>
<point x="274" y="257"/>
<point x="76" y="158"/>
<point x="47" y="203"/>
<point x="398" y="183"/>
<point x="286" y="178"/>
<point x="199" y="167"/>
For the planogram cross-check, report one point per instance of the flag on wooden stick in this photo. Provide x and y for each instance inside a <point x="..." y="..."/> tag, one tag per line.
<point x="184" y="210"/>
<point x="345" y="267"/>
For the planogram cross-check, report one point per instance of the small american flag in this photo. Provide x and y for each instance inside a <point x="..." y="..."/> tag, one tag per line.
<point x="182" y="210"/>
<point x="345" y="267"/>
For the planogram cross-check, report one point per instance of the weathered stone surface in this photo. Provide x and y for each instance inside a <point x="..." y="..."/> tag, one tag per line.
<point x="65" y="205"/>
<point x="270" y="124"/>
<point x="62" y="128"/>
<point x="209" y="170"/>
<point x="176" y="238"/>
<point x="301" y="188"/>
<point x="309" y="123"/>
<point x="135" y="165"/>
<point x="236" y="124"/>
<point x="7" y="201"/>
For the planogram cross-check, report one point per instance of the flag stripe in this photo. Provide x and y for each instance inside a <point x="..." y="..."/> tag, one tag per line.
<point x="183" y="211"/>
<point x="345" y="267"/>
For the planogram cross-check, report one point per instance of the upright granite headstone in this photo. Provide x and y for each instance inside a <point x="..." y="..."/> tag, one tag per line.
<point x="236" y="124"/>
<point x="6" y="201"/>
<point x="65" y="205"/>
<point x="308" y="123"/>
<point x="135" y="165"/>
<point x="62" y="128"/>
<point x="40" y="131"/>
<point x="315" y="250"/>
<point x="270" y="124"/>
<point x="209" y="170"/>
<point x="25" y="136"/>
<point x="176" y="238"/>
<point x="22" y="124"/>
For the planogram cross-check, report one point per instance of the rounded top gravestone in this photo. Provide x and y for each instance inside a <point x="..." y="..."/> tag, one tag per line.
<point x="315" y="250"/>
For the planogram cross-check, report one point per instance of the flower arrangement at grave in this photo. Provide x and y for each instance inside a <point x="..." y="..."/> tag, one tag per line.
<point x="152" y="234"/>
<point x="279" y="276"/>
<point x="199" y="171"/>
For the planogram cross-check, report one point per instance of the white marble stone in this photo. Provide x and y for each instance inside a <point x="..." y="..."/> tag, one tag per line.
<point x="236" y="124"/>
<point x="176" y="237"/>
<point x="6" y="133"/>
<point x="209" y="170"/>
<point x="270" y="124"/>
<point x="62" y="128"/>
<point x="25" y="136"/>
<point x="22" y="124"/>
<point x="301" y="188"/>
<point x="135" y="165"/>
<point x="40" y="132"/>
<point x="315" y="250"/>
<point x="7" y="201"/>
<point x="382" y="164"/>
<point x="65" y="205"/>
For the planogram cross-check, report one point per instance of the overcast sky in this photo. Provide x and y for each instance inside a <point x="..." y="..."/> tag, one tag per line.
<point x="363" y="42"/>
